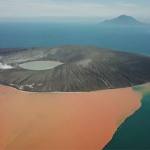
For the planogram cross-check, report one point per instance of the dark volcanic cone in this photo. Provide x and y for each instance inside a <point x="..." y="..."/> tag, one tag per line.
<point x="82" y="69"/>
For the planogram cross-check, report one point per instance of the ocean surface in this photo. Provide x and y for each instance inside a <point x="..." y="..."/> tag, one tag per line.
<point x="48" y="34"/>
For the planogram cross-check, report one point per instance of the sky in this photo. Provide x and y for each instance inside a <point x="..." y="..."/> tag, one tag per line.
<point x="74" y="8"/>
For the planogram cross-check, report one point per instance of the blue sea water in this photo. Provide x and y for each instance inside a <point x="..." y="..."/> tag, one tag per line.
<point x="48" y="34"/>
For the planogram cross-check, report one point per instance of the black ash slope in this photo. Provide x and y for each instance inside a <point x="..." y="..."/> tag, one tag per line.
<point x="84" y="69"/>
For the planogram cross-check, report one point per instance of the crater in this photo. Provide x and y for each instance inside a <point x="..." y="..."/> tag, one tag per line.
<point x="40" y="65"/>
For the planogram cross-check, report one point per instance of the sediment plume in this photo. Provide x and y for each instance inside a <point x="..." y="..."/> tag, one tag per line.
<point x="63" y="121"/>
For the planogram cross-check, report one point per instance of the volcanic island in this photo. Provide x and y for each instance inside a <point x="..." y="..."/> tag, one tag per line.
<point x="67" y="98"/>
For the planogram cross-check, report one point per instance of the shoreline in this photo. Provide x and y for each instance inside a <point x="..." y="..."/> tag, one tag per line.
<point x="24" y="91"/>
<point x="124" y="137"/>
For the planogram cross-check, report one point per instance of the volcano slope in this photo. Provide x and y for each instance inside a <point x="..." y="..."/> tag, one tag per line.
<point x="81" y="69"/>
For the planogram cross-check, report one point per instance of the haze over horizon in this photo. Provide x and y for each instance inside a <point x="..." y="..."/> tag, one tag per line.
<point x="103" y="9"/>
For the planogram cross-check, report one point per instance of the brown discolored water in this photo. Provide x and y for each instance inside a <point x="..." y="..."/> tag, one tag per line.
<point x="62" y="121"/>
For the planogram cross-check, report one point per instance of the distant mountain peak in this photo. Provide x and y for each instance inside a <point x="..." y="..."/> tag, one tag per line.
<point x="123" y="20"/>
<point x="124" y="16"/>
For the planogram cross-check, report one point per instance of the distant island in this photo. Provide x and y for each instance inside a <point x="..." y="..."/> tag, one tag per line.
<point x="122" y="20"/>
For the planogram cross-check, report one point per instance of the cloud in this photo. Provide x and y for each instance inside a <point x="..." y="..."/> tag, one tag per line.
<point x="30" y="9"/>
<point x="82" y="8"/>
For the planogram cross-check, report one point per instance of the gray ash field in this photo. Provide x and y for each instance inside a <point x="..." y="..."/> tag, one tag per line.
<point x="80" y="69"/>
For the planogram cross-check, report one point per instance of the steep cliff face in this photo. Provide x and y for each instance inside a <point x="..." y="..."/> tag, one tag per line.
<point x="82" y="69"/>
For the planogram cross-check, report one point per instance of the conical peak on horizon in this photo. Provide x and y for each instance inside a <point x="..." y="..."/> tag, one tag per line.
<point x="126" y="17"/>
<point x="123" y="20"/>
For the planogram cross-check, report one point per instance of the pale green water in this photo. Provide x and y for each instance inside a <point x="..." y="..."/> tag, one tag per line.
<point x="40" y="65"/>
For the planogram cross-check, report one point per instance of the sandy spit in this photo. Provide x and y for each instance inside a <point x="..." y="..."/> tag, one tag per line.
<point x="66" y="121"/>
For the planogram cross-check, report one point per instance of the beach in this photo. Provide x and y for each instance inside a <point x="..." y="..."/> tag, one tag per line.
<point x="63" y="121"/>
